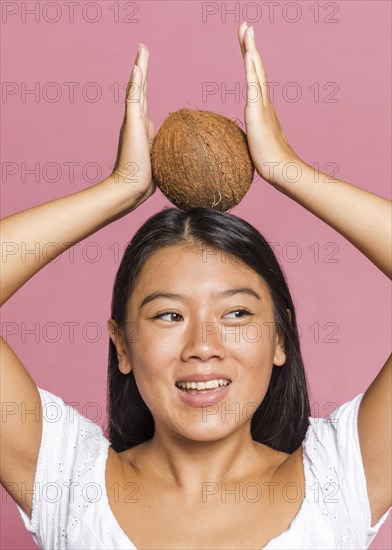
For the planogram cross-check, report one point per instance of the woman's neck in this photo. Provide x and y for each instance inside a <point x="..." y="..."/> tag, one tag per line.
<point x="188" y="464"/>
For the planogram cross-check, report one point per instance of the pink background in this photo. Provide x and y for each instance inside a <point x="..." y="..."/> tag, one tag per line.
<point x="353" y="132"/>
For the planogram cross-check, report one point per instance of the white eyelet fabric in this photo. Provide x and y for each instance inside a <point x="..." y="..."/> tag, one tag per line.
<point x="71" y="508"/>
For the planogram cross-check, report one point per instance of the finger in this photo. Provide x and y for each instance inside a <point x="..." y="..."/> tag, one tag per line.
<point x="145" y="107"/>
<point x="143" y="61"/>
<point x="250" y="44"/>
<point x="151" y="133"/>
<point x="142" y="98"/>
<point x="241" y="31"/>
<point x="131" y="86"/>
<point x="144" y="92"/>
<point x="132" y="106"/>
<point x="254" y="92"/>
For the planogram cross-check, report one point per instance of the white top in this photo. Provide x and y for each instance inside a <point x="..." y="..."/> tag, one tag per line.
<point x="71" y="508"/>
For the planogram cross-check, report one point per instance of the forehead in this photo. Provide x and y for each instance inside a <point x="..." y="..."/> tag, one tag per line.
<point x="195" y="269"/>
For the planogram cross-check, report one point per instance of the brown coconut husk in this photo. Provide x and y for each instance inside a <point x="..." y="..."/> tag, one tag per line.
<point x="201" y="158"/>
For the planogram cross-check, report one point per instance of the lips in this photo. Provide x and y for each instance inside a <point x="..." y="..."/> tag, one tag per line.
<point x="201" y="398"/>
<point x="198" y="377"/>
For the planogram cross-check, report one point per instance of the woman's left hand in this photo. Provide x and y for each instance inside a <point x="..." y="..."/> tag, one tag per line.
<point x="267" y="143"/>
<point x="133" y="162"/>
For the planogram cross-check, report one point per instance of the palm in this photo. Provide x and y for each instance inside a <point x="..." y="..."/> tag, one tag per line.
<point x="133" y="164"/>
<point x="268" y="145"/>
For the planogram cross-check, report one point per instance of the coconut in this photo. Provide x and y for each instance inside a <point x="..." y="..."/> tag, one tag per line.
<point x="201" y="158"/>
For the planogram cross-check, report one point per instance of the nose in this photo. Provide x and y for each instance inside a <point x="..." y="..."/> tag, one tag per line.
<point x="203" y="340"/>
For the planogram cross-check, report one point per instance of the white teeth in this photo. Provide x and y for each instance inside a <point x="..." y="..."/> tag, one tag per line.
<point x="209" y="384"/>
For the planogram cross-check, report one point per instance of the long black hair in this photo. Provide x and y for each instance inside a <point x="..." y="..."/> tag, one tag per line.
<point x="281" y="420"/>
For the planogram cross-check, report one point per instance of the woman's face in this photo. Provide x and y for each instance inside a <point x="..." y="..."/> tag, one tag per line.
<point x="202" y="333"/>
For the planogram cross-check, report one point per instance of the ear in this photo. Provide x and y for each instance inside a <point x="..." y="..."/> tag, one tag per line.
<point x="280" y="354"/>
<point x="117" y="338"/>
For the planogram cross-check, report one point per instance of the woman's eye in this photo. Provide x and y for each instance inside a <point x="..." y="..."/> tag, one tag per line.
<point x="166" y="313"/>
<point x="240" y="311"/>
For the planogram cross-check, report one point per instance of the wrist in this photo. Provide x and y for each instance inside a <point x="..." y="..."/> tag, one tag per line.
<point x="285" y="173"/>
<point x="120" y="197"/>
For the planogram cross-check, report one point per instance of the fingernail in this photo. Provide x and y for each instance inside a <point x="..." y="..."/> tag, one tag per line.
<point x="246" y="24"/>
<point x="252" y="32"/>
<point x="139" y="48"/>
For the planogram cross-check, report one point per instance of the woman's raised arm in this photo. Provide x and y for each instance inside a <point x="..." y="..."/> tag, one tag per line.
<point x="360" y="216"/>
<point x="363" y="218"/>
<point x="70" y="219"/>
<point x="65" y="222"/>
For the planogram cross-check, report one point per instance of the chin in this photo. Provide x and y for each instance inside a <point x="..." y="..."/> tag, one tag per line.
<point x="208" y="431"/>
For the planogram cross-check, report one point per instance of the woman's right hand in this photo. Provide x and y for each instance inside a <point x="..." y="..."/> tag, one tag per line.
<point x="270" y="151"/>
<point x="133" y="165"/>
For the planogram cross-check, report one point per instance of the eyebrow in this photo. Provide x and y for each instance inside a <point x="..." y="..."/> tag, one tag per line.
<point x="229" y="292"/>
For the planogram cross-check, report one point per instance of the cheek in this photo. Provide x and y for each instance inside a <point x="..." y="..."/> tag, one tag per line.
<point x="255" y="372"/>
<point x="262" y="342"/>
<point x="149" y="351"/>
<point x="255" y="377"/>
<point x="256" y="349"/>
<point x="149" y="359"/>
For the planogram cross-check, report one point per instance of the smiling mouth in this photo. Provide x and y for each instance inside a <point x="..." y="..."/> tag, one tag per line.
<point x="203" y="386"/>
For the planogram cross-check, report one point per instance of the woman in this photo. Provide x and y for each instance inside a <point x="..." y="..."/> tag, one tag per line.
<point x="211" y="444"/>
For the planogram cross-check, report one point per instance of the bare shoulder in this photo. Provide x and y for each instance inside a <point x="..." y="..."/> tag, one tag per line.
<point x="20" y="433"/>
<point x="375" y="438"/>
